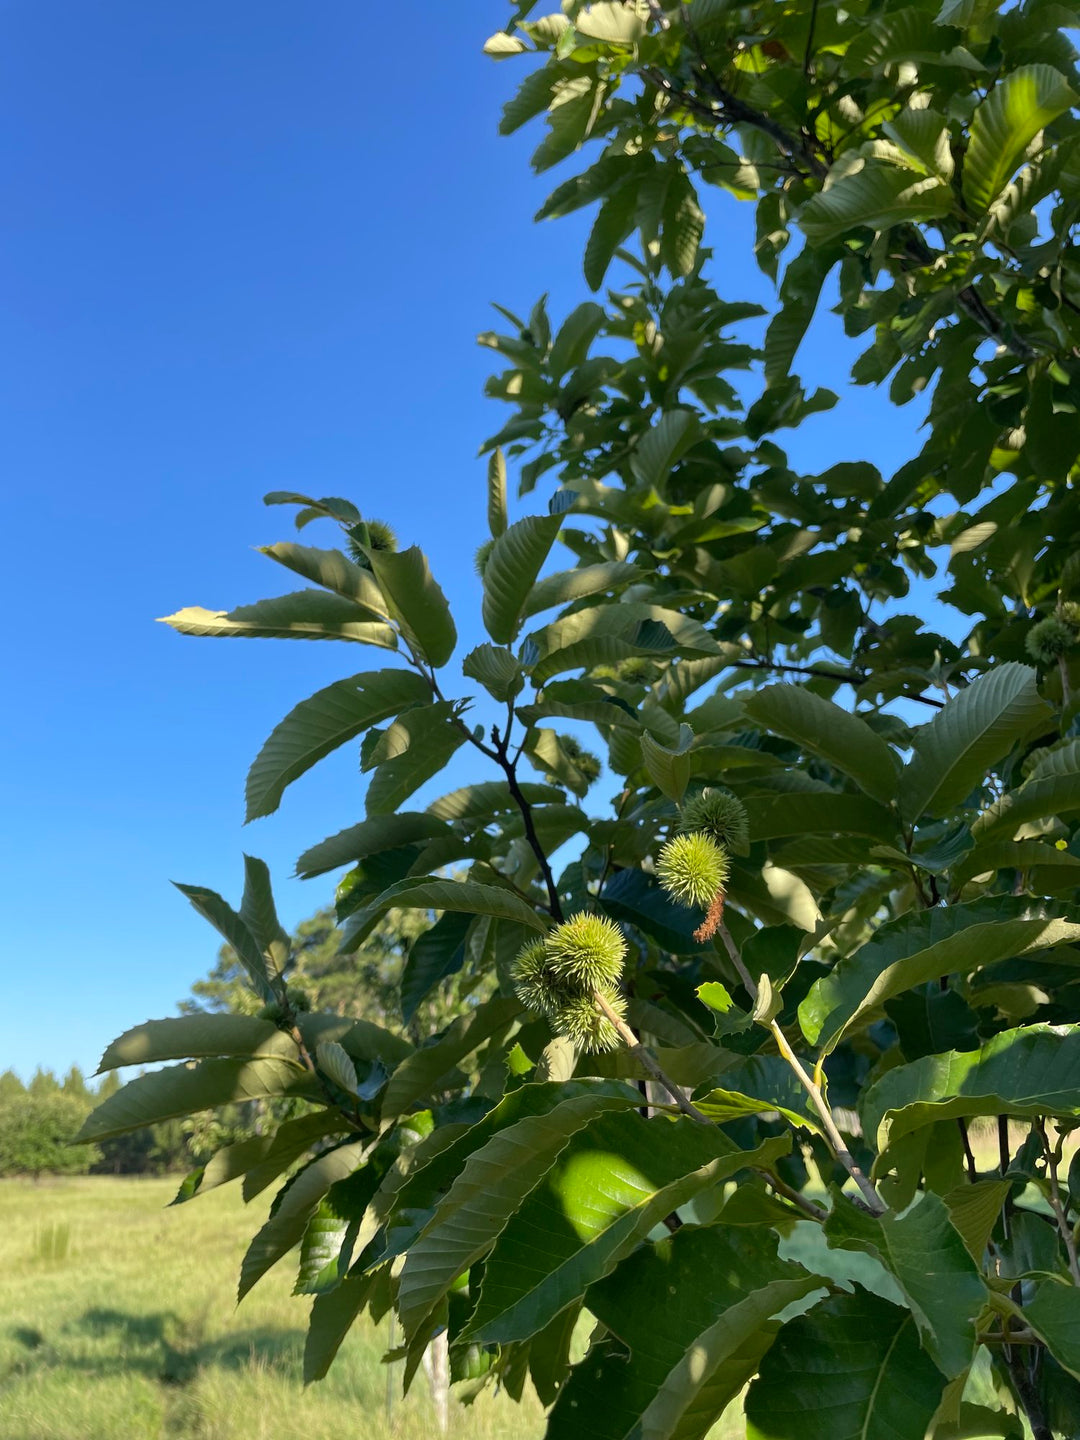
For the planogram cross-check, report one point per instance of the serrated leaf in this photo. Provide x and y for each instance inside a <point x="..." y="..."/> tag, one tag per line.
<point x="695" y="1310"/>
<point x="927" y="1257"/>
<point x="432" y="958"/>
<point x="613" y="223"/>
<point x="1032" y="1071"/>
<point x="511" y="571"/>
<point x="839" y="737"/>
<point x="291" y="1140"/>
<point x="980" y="725"/>
<point x="496" y="669"/>
<point x="210" y="905"/>
<point x="379" y="832"/>
<point x="799" y="294"/>
<point x="878" y="196"/>
<point x="424" y="893"/>
<point x="193" y="1037"/>
<point x="566" y="586"/>
<point x="332" y="506"/>
<point x="1052" y="788"/>
<point x="1022" y="103"/>
<point x="638" y="899"/>
<point x="490" y="797"/>
<point x="181" y="1090"/>
<point x="415" y="747"/>
<point x="297" y="1203"/>
<point x="662" y="446"/>
<point x="576" y="334"/>
<point x="415" y="1076"/>
<point x="334" y="571"/>
<point x="332" y="1316"/>
<point x="318" y="725"/>
<point x="303" y="615"/>
<point x="974" y="1210"/>
<point x="611" y="20"/>
<point x="1054" y="1314"/>
<point x="923" y="946"/>
<point x="416" y="602"/>
<point x="852" y="1366"/>
<point x="684" y="225"/>
<point x="259" y="913"/>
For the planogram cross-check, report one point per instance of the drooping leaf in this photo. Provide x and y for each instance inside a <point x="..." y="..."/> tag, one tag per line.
<point x="490" y="1188"/>
<point x="853" y="1367"/>
<point x="420" y="1072"/>
<point x="922" y="946"/>
<point x="614" y="1181"/>
<point x="1031" y="1071"/>
<point x="333" y="1060"/>
<point x="303" y="615"/>
<point x="416" y="602"/>
<point x="297" y="1203"/>
<point x="1054" y="1314"/>
<point x="180" y="1090"/>
<point x="694" y="1310"/>
<point x="1020" y="104"/>
<point x="496" y="479"/>
<point x="839" y="737"/>
<point x="511" y="571"/>
<point x="925" y="1253"/>
<point x="291" y="1140"/>
<point x="613" y="223"/>
<point x="433" y="956"/>
<point x="332" y="1316"/>
<point x="979" y="726"/>
<point x="318" y="725"/>
<point x="669" y="768"/>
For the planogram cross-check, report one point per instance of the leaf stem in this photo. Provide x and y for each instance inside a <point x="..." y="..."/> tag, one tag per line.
<point x="821" y="1105"/>
<point x="1054" y="1197"/>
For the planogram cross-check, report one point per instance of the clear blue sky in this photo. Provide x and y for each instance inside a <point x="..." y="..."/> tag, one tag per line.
<point x="245" y="247"/>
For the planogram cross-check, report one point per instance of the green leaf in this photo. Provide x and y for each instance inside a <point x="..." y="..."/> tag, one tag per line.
<point x="490" y="1188"/>
<point x="496" y="479"/>
<point x="291" y="1140"/>
<point x="333" y="1060"/>
<point x="1052" y="788"/>
<point x="973" y="1210"/>
<point x="433" y="956"/>
<point x="662" y="447"/>
<point x="878" y="196"/>
<point x="318" y="725"/>
<point x="192" y="1037"/>
<point x="331" y="506"/>
<point x="925" y="1253"/>
<point x="416" y="602"/>
<point x="259" y="913"/>
<point x="332" y="1316"/>
<point x="566" y="586"/>
<point x="303" y="615"/>
<point x="684" y="225"/>
<point x="649" y="629"/>
<point x="820" y="815"/>
<point x="839" y="737"/>
<point x="410" y="751"/>
<point x="474" y="802"/>
<point x="576" y="334"/>
<point x="695" y="1310"/>
<point x="799" y="293"/>
<point x="511" y="571"/>
<point x="853" y="1367"/>
<point x="609" y="1187"/>
<point x="424" y="893"/>
<point x="296" y="1205"/>
<point x="613" y="223"/>
<point x="418" y="1074"/>
<point x="611" y="20"/>
<point x="669" y="768"/>
<point x="1028" y="1072"/>
<point x="1021" y="104"/>
<point x="1054" y="1314"/>
<point x="496" y="669"/>
<point x="952" y="754"/>
<point x="378" y="833"/>
<point x="232" y="929"/>
<point x="181" y="1090"/>
<point x="333" y="571"/>
<point x="925" y="945"/>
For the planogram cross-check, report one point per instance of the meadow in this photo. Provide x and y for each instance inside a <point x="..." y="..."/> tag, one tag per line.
<point x="118" y="1321"/>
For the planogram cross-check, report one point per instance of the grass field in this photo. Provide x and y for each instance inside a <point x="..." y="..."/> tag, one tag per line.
<point x="134" y="1334"/>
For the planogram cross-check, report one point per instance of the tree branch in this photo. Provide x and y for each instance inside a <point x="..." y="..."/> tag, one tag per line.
<point x="821" y="1105"/>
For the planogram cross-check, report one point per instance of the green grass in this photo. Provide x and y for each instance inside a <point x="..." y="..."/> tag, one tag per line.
<point x="118" y="1322"/>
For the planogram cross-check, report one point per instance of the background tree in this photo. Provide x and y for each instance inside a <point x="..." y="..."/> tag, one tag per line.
<point x="797" y="946"/>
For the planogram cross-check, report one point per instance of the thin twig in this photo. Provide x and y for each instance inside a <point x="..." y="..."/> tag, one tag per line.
<point x="821" y="1105"/>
